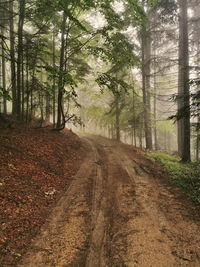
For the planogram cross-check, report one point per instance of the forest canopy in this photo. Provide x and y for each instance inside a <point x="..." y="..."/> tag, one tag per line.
<point x="117" y="68"/>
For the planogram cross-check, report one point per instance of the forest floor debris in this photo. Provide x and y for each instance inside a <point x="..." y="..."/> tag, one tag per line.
<point x="36" y="167"/>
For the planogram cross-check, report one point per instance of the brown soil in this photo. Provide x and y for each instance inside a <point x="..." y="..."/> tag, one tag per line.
<point x="119" y="210"/>
<point x="36" y="167"/>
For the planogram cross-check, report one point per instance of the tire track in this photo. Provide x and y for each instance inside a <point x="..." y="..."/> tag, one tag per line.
<point x="116" y="214"/>
<point x="97" y="254"/>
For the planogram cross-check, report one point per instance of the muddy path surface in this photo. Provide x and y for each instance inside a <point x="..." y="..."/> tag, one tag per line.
<point x="116" y="213"/>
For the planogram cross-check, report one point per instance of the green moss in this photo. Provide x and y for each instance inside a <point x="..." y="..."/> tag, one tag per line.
<point x="186" y="176"/>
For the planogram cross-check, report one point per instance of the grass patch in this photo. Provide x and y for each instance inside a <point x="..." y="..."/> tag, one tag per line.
<point x="185" y="176"/>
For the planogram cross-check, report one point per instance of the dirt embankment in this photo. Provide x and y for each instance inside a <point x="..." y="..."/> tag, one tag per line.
<point x="116" y="212"/>
<point x="36" y="167"/>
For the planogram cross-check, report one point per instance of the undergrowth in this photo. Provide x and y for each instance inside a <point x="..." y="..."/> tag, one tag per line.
<point x="186" y="176"/>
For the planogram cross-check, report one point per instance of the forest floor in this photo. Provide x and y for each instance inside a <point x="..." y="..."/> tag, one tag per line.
<point x="115" y="208"/>
<point x="36" y="168"/>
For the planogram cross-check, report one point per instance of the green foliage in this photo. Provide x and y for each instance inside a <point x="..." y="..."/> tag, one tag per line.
<point x="134" y="13"/>
<point x="186" y="176"/>
<point x="116" y="49"/>
<point x="163" y="157"/>
<point x="113" y="84"/>
<point x="5" y="94"/>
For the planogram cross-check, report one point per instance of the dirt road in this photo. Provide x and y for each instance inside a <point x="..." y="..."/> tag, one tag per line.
<point x="115" y="213"/>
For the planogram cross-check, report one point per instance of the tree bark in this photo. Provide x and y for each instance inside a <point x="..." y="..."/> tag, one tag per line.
<point x="48" y="109"/>
<point x="20" y="58"/>
<point x="0" y="84"/>
<point x="60" y="115"/>
<point x="54" y="82"/>
<point x="12" y="60"/>
<point x="117" y="118"/>
<point x="155" y="102"/>
<point x="22" y="88"/>
<point x="3" y="64"/>
<point x="27" y="87"/>
<point x="183" y="87"/>
<point x="146" y="88"/>
<point x="134" y="121"/>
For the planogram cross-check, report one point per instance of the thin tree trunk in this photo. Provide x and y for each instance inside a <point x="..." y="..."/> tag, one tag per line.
<point x="147" y="49"/>
<point x="155" y="86"/>
<point x="47" y="115"/>
<point x="197" y="142"/>
<point x="60" y="113"/>
<point x="0" y="82"/>
<point x="41" y="98"/>
<point x="155" y="103"/>
<point x="3" y="72"/>
<point x="140" y="139"/>
<point x="23" y="89"/>
<point x="20" y="51"/>
<point x="134" y="121"/>
<point x="54" y="81"/>
<point x="12" y="60"/>
<point x="117" y="118"/>
<point x="31" y="93"/>
<point x="27" y="88"/>
<point x="146" y="97"/>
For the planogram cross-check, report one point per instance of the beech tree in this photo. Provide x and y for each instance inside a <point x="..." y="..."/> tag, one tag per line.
<point x="49" y="50"/>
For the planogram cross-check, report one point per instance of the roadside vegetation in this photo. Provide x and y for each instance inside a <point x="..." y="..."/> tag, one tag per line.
<point x="185" y="176"/>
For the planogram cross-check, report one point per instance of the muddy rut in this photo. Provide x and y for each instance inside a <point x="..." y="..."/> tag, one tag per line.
<point x="115" y="213"/>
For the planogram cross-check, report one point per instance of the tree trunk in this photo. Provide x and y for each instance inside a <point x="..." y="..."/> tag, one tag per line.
<point x="147" y="50"/>
<point x="197" y="142"/>
<point x="12" y="60"/>
<point x="140" y="138"/>
<point x="23" y="89"/>
<point x="0" y="85"/>
<point x="197" y="63"/>
<point x="134" y="121"/>
<point x="117" y="118"/>
<point x="146" y="97"/>
<point x="54" y="82"/>
<point x="155" y="100"/>
<point x="41" y="99"/>
<point x="27" y="88"/>
<point x="31" y="93"/>
<point x="183" y="88"/>
<point x="48" y="109"/>
<point x="60" y="115"/>
<point x="3" y="71"/>
<point x="20" y="58"/>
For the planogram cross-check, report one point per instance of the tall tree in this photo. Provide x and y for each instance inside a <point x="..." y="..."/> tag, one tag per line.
<point x="146" y="60"/>
<point x="183" y="86"/>
<point x="20" y="55"/>
<point x="60" y="112"/>
<point x="12" y="58"/>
